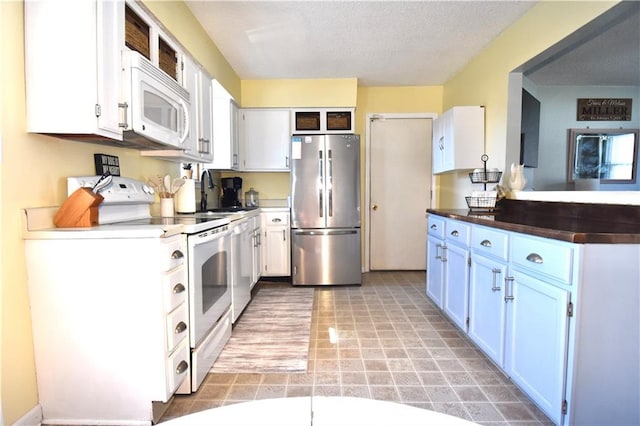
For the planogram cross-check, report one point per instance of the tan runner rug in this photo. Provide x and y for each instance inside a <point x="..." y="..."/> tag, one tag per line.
<point x="272" y="335"/>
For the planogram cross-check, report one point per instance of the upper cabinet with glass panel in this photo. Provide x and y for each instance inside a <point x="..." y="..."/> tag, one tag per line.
<point x="606" y="155"/>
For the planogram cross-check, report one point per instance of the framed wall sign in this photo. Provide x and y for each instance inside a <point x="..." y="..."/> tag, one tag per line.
<point x="604" y="109"/>
<point x="105" y="162"/>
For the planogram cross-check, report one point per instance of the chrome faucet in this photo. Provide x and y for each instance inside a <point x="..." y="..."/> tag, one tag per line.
<point x="203" y="194"/>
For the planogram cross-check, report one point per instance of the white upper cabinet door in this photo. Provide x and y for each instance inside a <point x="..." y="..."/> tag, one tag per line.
<point x="225" y="134"/>
<point x="73" y="68"/>
<point x="265" y="137"/>
<point x="458" y="139"/>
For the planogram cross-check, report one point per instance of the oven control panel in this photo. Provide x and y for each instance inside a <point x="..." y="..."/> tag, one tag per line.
<point x="121" y="190"/>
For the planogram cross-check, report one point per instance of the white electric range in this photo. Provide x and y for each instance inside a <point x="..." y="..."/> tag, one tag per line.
<point x="139" y="304"/>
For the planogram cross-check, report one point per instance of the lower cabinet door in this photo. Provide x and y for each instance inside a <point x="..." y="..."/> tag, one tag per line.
<point x="456" y="282"/>
<point x="435" y="270"/>
<point x="487" y="306"/>
<point x="537" y="338"/>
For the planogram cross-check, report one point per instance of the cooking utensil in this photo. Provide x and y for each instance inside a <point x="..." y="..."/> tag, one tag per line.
<point x="102" y="183"/>
<point x="176" y="185"/>
<point x="167" y="183"/>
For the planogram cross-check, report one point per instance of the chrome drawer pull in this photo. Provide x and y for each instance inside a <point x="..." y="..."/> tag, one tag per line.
<point x="437" y="247"/>
<point x="535" y="258"/>
<point x="434" y="226"/>
<point x="277" y="219"/>
<point x="486" y="243"/>
<point x="178" y="288"/>
<point x="180" y="328"/>
<point x="177" y="255"/>
<point x="455" y="233"/>
<point x="182" y="367"/>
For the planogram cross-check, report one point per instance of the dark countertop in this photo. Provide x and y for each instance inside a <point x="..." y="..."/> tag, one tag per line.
<point x="572" y="222"/>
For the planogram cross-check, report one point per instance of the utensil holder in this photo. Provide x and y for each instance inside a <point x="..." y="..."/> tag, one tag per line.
<point x="166" y="207"/>
<point x="80" y="210"/>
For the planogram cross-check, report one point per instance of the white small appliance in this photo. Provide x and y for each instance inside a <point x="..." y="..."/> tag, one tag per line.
<point x="157" y="107"/>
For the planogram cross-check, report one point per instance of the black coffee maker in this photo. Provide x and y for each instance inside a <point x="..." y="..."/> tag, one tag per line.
<point x="231" y="192"/>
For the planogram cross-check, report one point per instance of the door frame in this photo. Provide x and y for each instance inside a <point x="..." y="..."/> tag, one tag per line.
<point x="367" y="180"/>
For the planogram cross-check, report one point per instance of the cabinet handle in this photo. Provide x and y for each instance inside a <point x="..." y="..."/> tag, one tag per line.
<point x="434" y="226"/>
<point x="286" y="161"/>
<point x="455" y="233"/>
<point x="181" y="327"/>
<point x="178" y="288"/>
<point x="441" y="143"/>
<point x="535" y="258"/>
<point x="508" y="297"/>
<point x="124" y="124"/>
<point x="496" y="272"/>
<point x="437" y="247"/>
<point x="486" y="243"/>
<point x="276" y="220"/>
<point x="177" y="255"/>
<point x="182" y="367"/>
<point x="284" y="235"/>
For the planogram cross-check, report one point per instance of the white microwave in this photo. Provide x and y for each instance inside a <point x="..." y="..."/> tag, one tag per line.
<point x="157" y="107"/>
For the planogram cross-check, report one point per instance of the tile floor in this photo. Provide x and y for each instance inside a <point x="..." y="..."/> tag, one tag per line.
<point x="384" y="340"/>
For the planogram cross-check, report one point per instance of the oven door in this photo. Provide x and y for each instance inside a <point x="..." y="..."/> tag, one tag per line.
<point x="209" y="280"/>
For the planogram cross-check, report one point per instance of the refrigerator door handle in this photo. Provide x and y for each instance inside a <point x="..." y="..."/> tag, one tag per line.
<point x="327" y="232"/>
<point x="330" y="181"/>
<point x="321" y="188"/>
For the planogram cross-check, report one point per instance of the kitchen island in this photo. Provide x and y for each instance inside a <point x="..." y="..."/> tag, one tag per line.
<point x="550" y="293"/>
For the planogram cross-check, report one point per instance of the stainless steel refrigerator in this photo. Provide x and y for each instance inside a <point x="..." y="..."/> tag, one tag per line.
<point x="325" y="210"/>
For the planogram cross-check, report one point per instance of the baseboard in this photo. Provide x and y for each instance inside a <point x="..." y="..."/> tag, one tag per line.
<point x="31" y="418"/>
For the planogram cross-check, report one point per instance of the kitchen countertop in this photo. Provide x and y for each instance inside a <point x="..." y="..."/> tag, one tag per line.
<point x="572" y="222"/>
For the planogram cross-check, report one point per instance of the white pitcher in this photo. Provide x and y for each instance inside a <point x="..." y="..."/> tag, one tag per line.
<point x="517" y="181"/>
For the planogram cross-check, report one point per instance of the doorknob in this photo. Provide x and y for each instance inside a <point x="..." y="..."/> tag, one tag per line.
<point x="374" y="207"/>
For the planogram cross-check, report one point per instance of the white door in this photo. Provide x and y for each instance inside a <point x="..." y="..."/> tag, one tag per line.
<point x="400" y="171"/>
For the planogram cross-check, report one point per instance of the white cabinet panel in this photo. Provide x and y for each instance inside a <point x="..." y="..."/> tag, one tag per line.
<point x="225" y="130"/>
<point x="435" y="270"/>
<point x="537" y="339"/>
<point x="265" y="137"/>
<point x="487" y="311"/>
<point x="276" y="247"/>
<point x="456" y="293"/>
<point x="458" y="139"/>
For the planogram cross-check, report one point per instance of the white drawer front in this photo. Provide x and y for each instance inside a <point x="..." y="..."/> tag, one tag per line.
<point x="436" y="227"/>
<point x="175" y="289"/>
<point x="490" y="241"/>
<point x="275" y="218"/>
<point x="548" y="257"/>
<point x="178" y="366"/>
<point x="177" y="326"/>
<point x="458" y="232"/>
<point x="173" y="254"/>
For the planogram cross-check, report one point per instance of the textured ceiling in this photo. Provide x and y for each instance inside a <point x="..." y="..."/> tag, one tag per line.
<point x="400" y="43"/>
<point x="382" y="43"/>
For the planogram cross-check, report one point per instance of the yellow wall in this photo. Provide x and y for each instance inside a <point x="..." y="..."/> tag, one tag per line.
<point x="484" y="80"/>
<point x="33" y="174"/>
<point x="336" y="92"/>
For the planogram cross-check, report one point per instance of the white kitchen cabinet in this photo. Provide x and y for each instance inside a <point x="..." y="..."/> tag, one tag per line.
<point x="537" y="340"/>
<point x="458" y="139"/>
<point x="276" y="245"/>
<point x="305" y="121"/>
<point x="436" y="256"/>
<point x="265" y="137"/>
<point x="257" y="250"/>
<point x="548" y="314"/>
<point x="456" y="275"/>
<point x="72" y="69"/>
<point x="487" y="311"/>
<point x="108" y="342"/>
<point x="225" y="130"/>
